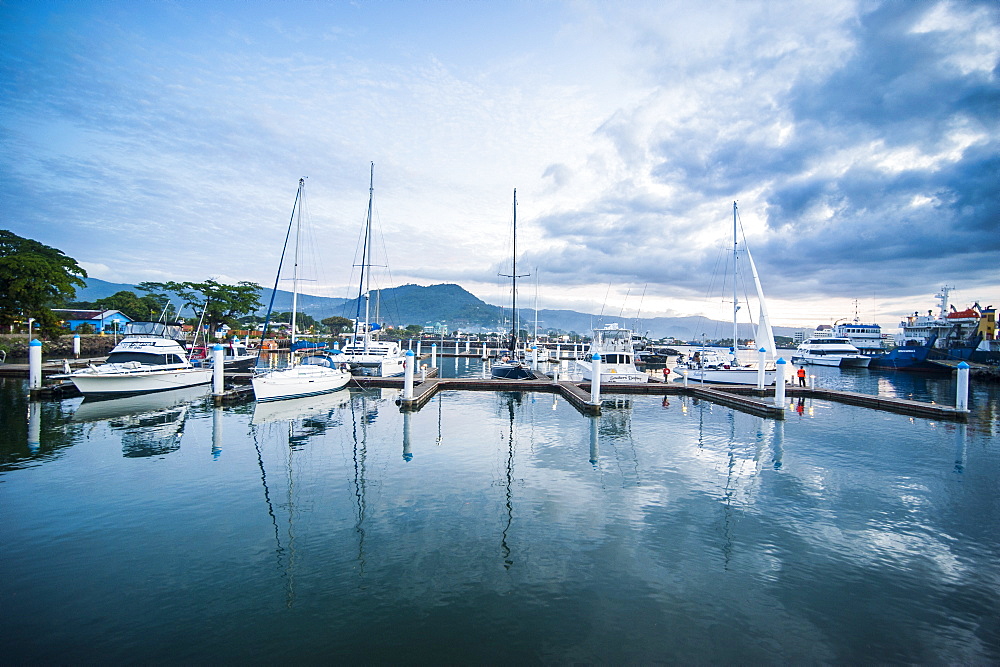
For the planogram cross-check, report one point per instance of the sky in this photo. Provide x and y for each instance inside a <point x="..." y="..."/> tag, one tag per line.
<point x="165" y="140"/>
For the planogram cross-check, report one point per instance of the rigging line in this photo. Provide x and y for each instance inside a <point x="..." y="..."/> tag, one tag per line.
<point x="606" y="293"/>
<point x="621" y="313"/>
<point x="284" y="248"/>
<point x="641" y="299"/>
<point x="279" y="552"/>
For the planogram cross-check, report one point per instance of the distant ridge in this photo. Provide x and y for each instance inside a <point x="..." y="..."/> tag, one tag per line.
<point x="455" y="306"/>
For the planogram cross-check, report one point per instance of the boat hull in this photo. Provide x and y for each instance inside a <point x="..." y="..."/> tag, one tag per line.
<point x="298" y="382"/>
<point x="138" y="382"/>
<point x="625" y="375"/>
<point x="725" y="376"/>
<point x="509" y="371"/>
<point x="846" y="361"/>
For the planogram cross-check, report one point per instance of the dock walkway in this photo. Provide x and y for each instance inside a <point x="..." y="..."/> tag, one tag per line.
<point x="741" y="397"/>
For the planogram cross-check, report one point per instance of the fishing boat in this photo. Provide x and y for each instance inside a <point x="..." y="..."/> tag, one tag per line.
<point x="364" y="351"/>
<point x="297" y="379"/>
<point x="830" y="351"/>
<point x="510" y="367"/>
<point x="614" y="346"/>
<point x="710" y="365"/>
<point x="151" y="357"/>
<point x="935" y="344"/>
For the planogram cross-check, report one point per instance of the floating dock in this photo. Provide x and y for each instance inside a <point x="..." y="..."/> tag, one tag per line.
<point x="740" y="397"/>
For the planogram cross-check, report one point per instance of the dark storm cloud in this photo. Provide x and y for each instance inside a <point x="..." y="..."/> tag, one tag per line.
<point x="887" y="177"/>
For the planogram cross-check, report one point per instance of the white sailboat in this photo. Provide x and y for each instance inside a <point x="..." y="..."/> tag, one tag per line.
<point x="711" y="365"/>
<point x="364" y="352"/>
<point x="510" y="367"/>
<point x="296" y="380"/>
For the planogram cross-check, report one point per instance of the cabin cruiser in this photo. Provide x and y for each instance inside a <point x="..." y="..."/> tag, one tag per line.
<point x="830" y="351"/>
<point x="367" y="355"/>
<point x="151" y="357"/>
<point x="614" y="347"/>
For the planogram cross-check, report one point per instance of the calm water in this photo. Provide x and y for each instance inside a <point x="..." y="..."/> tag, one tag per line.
<point x="498" y="528"/>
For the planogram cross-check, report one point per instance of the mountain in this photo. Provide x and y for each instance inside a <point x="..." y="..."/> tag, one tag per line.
<point x="460" y="309"/>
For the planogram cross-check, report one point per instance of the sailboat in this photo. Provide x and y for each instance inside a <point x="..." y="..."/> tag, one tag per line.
<point x="710" y="365"/>
<point x="296" y="380"/>
<point x="510" y="368"/>
<point x="366" y="354"/>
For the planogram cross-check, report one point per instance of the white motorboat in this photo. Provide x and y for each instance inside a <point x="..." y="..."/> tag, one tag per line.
<point x="709" y="365"/>
<point x="368" y="355"/>
<point x="830" y="351"/>
<point x="296" y="380"/>
<point x="236" y="356"/>
<point x="151" y="357"/>
<point x="614" y="346"/>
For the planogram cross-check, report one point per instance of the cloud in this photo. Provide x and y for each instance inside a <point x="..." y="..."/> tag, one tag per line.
<point x="860" y="140"/>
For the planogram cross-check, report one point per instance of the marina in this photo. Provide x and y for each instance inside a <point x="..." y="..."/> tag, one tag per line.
<point x="344" y="525"/>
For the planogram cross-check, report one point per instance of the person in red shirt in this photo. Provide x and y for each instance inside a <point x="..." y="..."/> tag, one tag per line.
<point x="802" y="376"/>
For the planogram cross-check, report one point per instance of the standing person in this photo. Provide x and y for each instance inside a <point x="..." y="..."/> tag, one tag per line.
<point x="802" y="376"/>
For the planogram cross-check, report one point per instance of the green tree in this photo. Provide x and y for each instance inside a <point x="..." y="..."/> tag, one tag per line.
<point x="135" y="306"/>
<point x="414" y="329"/>
<point x="302" y="321"/>
<point x="338" y="324"/>
<point x="222" y="304"/>
<point x="35" y="278"/>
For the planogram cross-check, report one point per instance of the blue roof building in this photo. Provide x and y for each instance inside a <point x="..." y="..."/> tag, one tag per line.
<point x="101" y="320"/>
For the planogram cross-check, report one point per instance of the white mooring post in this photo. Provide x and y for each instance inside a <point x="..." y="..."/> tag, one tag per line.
<point x="761" y="358"/>
<point x="35" y="364"/>
<point x="558" y="353"/>
<point x="962" y="388"/>
<point x="595" y="379"/>
<point x="555" y="373"/>
<point x="76" y="346"/>
<point x="218" y="371"/>
<point x="779" y="383"/>
<point x="434" y="355"/>
<point x="685" y="372"/>
<point x="418" y="349"/>
<point x="534" y="356"/>
<point x="408" y="375"/>
<point x="484" y="351"/>
<point x="468" y="346"/>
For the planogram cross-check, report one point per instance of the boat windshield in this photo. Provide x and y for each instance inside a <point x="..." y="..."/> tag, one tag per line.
<point x="146" y="358"/>
<point x="160" y="329"/>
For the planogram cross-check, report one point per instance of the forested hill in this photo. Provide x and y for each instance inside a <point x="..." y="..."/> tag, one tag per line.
<point x="397" y="306"/>
<point x="459" y="309"/>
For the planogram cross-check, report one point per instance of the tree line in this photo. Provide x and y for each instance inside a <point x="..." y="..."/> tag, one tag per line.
<point x="36" y="278"/>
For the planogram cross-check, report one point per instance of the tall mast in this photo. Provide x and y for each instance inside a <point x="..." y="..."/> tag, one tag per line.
<point x="736" y="303"/>
<point x="295" y="266"/>
<point x="513" y="284"/>
<point x="367" y="264"/>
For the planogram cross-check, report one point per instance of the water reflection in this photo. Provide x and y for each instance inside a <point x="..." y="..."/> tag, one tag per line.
<point x="150" y="424"/>
<point x="509" y="400"/>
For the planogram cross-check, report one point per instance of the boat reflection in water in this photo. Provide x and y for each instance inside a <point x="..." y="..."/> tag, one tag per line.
<point x="150" y="424"/>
